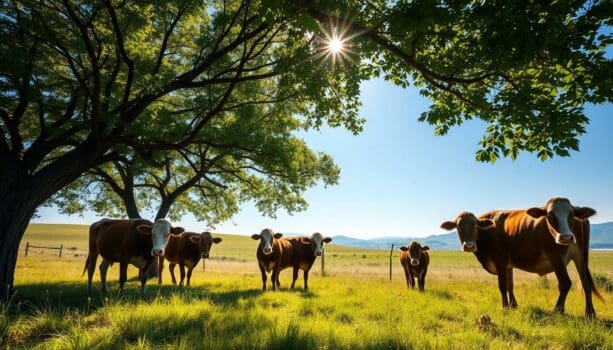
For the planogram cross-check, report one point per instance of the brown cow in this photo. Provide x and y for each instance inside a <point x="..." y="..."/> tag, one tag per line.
<point x="271" y="256"/>
<point x="414" y="259"/>
<point x="538" y="240"/>
<point x="134" y="242"/>
<point x="303" y="254"/>
<point x="186" y="250"/>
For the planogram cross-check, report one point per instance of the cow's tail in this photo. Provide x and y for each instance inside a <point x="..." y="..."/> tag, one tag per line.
<point x="86" y="265"/>
<point x="593" y="287"/>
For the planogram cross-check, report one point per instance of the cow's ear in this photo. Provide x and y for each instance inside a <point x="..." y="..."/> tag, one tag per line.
<point x="194" y="239"/>
<point x="175" y="231"/>
<point x="485" y="224"/>
<point x="217" y="240"/>
<point x="404" y="249"/>
<point x="256" y="237"/>
<point x="536" y="212"/>
<point x="327" y="240"/>
<point x="305" y="240"/>
<point x="449" y="225"/>
<point x="278" y="235"/>
<point x="583" y="212"/>
<point x="143" y="229"/>
<point x="425" y="247"/>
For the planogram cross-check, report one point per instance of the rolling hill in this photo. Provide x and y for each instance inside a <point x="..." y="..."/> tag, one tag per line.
<point x="601" y="238"/>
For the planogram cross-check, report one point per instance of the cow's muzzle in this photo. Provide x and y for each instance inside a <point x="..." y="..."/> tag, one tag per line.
<point x="204" y="255"/>
<point x="267" y="251"/>
<point x="414" y="262"/>
<point x="157" y="252"/>
<point x="469" y="247"/>
<point x="565" y="239"/>
<point x="318" y="253"/>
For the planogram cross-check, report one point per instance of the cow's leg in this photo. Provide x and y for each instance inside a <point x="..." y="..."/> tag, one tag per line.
<point x="91" y="268"/>
<point x="123" y="274"/>
<point x="182" y="272"/>
<point x="104" y="266"/>
<point x="143" y="281"/>
<point x="564" y="283"/>
<point x="171" y="267"/>
<point x="306" y="279"/>
<point x="411" y="279"/>
<point x="422" y="280"/>
<point x="160" y="268"/>
<point x="278" y="281"/>
<point x="586" y="279"/>
<point x="502" y="285"/>
<point x="275" y="278"/>
<point x="263" y="277"/>
<point x="512" y="301"/>
<point x="294" y="276"/>
<point x="189" y="274"/>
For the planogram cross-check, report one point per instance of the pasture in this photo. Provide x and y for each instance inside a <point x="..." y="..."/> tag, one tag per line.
<point x="354" y="306"/>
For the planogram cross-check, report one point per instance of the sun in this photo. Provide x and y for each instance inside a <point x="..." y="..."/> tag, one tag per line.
<point x="335" y="45"/>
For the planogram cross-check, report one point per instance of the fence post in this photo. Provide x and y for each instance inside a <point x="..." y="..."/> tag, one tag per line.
<point x="27" y="247"/>
<point x="203" y="264"/>
<point x="61" y="247"/>
<point x="323" y="261"/>
<point x="391" y="251"/>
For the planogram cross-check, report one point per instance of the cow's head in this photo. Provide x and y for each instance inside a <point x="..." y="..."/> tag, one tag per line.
<point x="267" y="238"/>
<point x="204" y="241"/>
<point x="469" y="227"/>
<point x="160" y="232"/>
<point x="560" y="214"/>
<point x="414" y="250"/>
<point x="316" y="241"/>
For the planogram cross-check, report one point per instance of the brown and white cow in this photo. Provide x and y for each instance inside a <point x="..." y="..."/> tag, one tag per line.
<point x="135" y="242"/>
<point x="414" y="259"/>
<point x="272" y="253"/>
<point x="303" y="254"/>
<point x="186" y="250"/>
<point x="538" y="240"/>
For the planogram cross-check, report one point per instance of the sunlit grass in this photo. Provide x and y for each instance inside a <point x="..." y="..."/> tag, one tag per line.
<point x="354" y="306"/>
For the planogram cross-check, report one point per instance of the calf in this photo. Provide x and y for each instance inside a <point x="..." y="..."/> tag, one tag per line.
<point x="134" y="242"/>
<point x="272" y="253"/>
<point x="186" y="250"/>
<point x="414" y="259"/>
<point x="304" y="251"/>
<point x="539" y="240"/>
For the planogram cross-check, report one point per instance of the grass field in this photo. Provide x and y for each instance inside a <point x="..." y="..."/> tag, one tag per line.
<point x="355" y="306"/>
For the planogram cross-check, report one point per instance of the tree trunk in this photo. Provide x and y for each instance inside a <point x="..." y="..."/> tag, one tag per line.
<point x="164" y="208"/>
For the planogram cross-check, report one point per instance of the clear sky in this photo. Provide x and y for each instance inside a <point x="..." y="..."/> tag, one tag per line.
<point x="398" y="179"/>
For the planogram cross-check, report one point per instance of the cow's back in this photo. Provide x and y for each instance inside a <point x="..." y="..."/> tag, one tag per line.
<point x="119" y="238"/>
<point x="180" y="248"/>
<point x="303" y="256"/>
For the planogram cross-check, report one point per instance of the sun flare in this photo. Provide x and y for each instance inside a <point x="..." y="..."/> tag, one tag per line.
<point x="335" y="45"/>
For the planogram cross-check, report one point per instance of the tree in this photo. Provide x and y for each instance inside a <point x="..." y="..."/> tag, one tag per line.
<point x="82" y="82"/>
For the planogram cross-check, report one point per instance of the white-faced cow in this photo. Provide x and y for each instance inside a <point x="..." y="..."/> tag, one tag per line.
<point x="135" y="242"/>
<point x="414" y="259"/>
<point x="539" y="240"/>
<point x="303" y="254"/>
<point x="186" y="250"/>
<point x="270" y="253"/>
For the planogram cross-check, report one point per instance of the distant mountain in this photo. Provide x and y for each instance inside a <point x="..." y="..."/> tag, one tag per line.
<point x="601" y="237"/>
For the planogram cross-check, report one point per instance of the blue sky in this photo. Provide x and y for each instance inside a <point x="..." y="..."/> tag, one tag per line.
<point x="398" y="179"/>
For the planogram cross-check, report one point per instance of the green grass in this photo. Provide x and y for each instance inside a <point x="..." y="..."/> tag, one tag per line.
<point x="354" y="306"/>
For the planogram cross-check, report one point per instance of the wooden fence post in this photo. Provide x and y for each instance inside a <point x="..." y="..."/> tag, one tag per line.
<point x="61" y="247"/>
<point x="27" y="247"/>
<point x="203" y="264"/>
<point x="391" y="251"/>
<point x="323" y="262"/>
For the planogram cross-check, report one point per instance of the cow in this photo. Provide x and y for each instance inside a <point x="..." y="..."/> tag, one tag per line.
<point x="272" y="253"/>
<point x="135" y="241"/>
<point x="414" y="259"/>
<point x="539" y="240"/>
<point x="186" y="250"/>
<point x="304" y="251"/>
